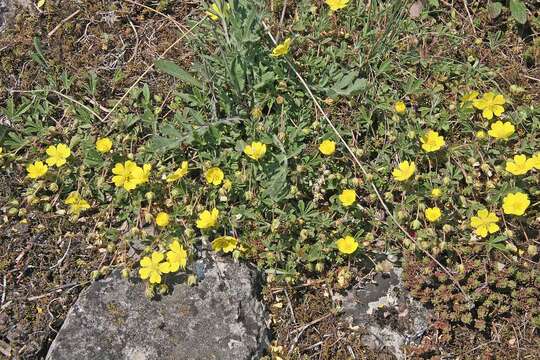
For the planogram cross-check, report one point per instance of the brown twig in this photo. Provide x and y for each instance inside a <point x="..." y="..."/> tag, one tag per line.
<point x="63" y="22"/>
<point x="470" y="17"/>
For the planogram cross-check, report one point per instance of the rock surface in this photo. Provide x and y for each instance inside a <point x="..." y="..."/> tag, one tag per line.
<point x="392" y="318"/>
<point x="8" y="11"/>
<point x="219" y="318"/>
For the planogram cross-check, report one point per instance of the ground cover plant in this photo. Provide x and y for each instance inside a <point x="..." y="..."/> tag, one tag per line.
<point x="304" y="137"/>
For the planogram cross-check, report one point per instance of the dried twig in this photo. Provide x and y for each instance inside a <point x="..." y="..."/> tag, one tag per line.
<point x="63" y="22"/>
<point x="470" y="17"/>
<point x="303" y="328"/>
<point x="289" y="305"/>
<point x="136" y="42"/>
<point x="63" y="257"/>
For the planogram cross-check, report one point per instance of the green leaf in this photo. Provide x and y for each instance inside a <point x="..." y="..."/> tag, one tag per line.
<point x="519" y="11"/>
<point x="494" y="9"/>
<point x="38" y="55"/>
<point x="171" y="68"/>
<point x="348" y="84"/>
<point x="238" y="74"/>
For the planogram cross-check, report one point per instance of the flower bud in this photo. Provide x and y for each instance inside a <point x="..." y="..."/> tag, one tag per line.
<point x="148" y="218"/>
<point x="402" y="215"/>
<point x="532" y="250"/>
<point x="511" y="247"/>
<point x="95" y="275"/>
<point x="149" y="196"/>
<point x="319" y="267"/>
<point x="415" y="224"/>
<point x="149" y="292"/>
<point x="111" y="248"/>
<point x="256" y="112"/>
<point x="192" y="280"/>
<point x="53" y="187"/>
<point x="163" y="288"/>
<point x="125" y="273"/>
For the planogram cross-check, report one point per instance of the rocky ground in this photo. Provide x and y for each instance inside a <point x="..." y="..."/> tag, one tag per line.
<point x="46" y="261"/>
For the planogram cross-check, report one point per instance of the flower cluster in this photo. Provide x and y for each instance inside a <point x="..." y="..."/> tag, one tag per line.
<point x="129" y="175"/>
<point x="152" y="267"/>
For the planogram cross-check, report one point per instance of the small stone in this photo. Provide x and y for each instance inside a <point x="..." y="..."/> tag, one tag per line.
<point x="389" y="314"/>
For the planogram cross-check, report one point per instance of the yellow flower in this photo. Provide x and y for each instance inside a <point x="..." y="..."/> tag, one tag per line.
<point x="500" y="130"/>
<point x="256" y="150"/>
<point x="57" y="154"/>
<point x="282" y="49"/>
<point x="490" y="104"/>
<point x="432" y="141"/>
<point x="37" y="170"/>
<point x="485" y="222"/>
<point x="215" y="12"/>
<point x="147" y="168"/>
<point x="432" y="214"/>
<point x="404" y="171"/>
<point x="468" y="99"/>
<point x="178" y="173"/>
<point x="347" y="197"/>
<point x="104" y="145"/>
<point x="347" y="245"/>
<point x="400" y="107"/>
<point x="516" y="203"/>
<point x="176" y="256"/>
<point x="327" y="147"/>
<point x="207" y="219"/>
<point x="534" y="161"/>
<point x="337" y="4"/>
<point x="519" y="166"/>
<point x="76" y="202"/>
<point x="224" y="243"/>
<point x="436" y="192"/>
<point x="214" y="176"/>
<point x="227" y="184"/>
<point x="127" y="175"/>
<point x="152" y="267"/>
<point x="162" y="219"/>
<point x="480" y="134"/>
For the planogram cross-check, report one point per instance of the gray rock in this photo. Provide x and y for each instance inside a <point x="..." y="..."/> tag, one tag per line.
<point x="8" y="9"/>
<point x="219" y="318"/>
<point x="392" y="318"/>
<point x="4" y="8"/>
